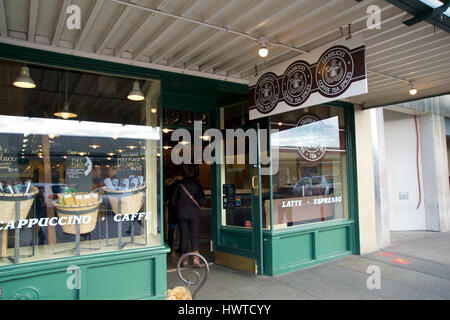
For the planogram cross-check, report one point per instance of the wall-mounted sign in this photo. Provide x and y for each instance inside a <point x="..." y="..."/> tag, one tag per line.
<point x="79" y="173"/>
<point x="130" y="163"/>
<point x="325" y="74"/>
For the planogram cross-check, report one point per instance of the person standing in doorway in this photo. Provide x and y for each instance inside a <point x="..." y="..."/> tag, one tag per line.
<point x="170" y="185"/>
<point x="188" y="197"/>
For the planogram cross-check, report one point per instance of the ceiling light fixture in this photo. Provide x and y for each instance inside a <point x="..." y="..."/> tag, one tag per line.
<point x="24" y="81"/>
<point x="412" y="88"/>
<point x="136" y="93"/>
<point x="65" y="113"/>
<point x="263" y="51"/>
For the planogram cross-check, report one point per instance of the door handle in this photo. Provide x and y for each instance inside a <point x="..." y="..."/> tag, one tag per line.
<point x="255" y="182"/>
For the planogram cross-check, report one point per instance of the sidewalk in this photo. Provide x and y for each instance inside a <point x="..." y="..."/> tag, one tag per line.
<point x="416" y="266"/>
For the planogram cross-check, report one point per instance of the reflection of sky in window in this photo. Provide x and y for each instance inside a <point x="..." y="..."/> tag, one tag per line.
<point x="320" y="133"/>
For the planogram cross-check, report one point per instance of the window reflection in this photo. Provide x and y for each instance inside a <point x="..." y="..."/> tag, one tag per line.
<point x="311" y="184"/>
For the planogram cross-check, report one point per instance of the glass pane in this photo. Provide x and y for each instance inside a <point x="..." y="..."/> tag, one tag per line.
<point x="311" y="181"/>
<point x="82" y="186"/>
<point x="237" y="172"/>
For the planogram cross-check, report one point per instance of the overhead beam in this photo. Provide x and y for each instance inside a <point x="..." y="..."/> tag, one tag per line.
<point x="218" y="48"/>
<point x="3" y="22"/>
<point x="93" y="13"/>
<point x="408" y="7"/>
<point x="113" y="28"/>
<point x="61" y="22"/>
<point x="166" y="28"/>
<point x="432" y="13"/>
<point x="138" y="30"/>
<point x="250" y="66"/>
<point x="32" y="19"/>
<point x="324" y="23"/>
<point x="185" y="37"/>
<point x="205" y="43"/>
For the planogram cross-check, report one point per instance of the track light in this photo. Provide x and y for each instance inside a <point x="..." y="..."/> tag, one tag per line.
<point x="136" y="93"/>
<point x="412" y="88"/>
<point x="263" y="51"/>
<point x="24" y="81"/>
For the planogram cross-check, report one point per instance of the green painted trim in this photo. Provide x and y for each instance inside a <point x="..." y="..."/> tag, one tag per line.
<point x="161" y="162"/>
<point x="352" y="175"/>
<point x="319" y="226"/>
<point x="257" y="212"/>
<point x="294" y="267"/>
<point x="15" y="271"/>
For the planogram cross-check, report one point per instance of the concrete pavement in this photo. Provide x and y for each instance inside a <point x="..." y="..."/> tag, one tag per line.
<point x="416" y="266"/>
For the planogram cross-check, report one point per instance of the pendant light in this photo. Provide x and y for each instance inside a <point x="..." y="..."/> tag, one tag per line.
<point x="65" y="113"/>
<point x="412" y="88"/>
<point x="263" y="51"/>
<point x="24" y="80"/>
<point x="136" y="93"/>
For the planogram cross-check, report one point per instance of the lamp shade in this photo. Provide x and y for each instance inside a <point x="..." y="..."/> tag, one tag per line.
<point x="65" y="113"/>
<point x="24" y="80"/>
<point x="136" y="93"/>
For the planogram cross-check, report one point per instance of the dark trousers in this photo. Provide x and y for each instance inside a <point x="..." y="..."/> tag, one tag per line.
<point x="189" y="234"/>
<point x="170" y="236"/>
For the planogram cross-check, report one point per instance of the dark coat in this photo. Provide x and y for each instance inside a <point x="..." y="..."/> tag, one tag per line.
<point x="172" y="215"/>
<point x="185" y="207"/>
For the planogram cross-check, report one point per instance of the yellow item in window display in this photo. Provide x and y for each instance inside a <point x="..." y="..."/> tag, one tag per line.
<point x="84" y="205"/>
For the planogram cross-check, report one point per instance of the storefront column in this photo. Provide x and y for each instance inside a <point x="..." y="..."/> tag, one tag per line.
<point x="372" y="199"/>
<point x="435" y="172"/>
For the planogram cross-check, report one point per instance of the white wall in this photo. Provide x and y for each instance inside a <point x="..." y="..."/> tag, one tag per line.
<point x="401" y="169"/>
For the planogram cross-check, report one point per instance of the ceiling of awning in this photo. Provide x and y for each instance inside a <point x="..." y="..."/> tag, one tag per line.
<point x="188" y="36"/>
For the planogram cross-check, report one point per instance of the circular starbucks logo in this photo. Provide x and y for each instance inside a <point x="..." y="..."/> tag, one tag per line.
<point x="334" y="71"/>
<point x="267" y="92"/>
<point x="297" y="83"/>
<point x="312" y="147"/>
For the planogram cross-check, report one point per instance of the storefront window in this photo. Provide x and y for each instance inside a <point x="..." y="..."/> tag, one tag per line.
<point x="311" y="182"/>
<point x="77" y="186"/>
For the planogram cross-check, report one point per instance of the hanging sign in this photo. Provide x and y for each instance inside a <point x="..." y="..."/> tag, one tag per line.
<point x="325" y="74"/>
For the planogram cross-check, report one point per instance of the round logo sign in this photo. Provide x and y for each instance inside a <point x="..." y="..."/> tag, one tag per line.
<point x="334" y="71"/>
<point x="297" y="83"/>
<point x="312" y="146"/>
<point x="267" y="92"/>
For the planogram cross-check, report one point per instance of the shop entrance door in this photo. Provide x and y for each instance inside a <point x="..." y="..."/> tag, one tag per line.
<point x="240" y="229"/>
